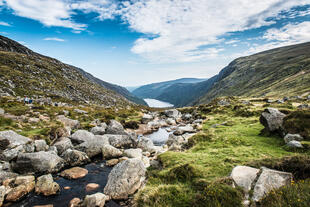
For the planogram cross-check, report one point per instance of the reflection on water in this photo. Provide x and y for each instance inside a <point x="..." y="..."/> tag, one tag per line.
<point x="157" y="104"/>
<point x="159" y="137"/>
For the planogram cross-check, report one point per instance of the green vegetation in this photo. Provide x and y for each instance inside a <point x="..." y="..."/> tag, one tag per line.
<point x="298" y="122"/>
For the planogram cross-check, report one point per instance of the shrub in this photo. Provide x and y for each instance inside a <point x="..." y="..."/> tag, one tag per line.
<point x="298" y="122"/>
<point x="182" y="173"/>
<point x="201" y="137"/>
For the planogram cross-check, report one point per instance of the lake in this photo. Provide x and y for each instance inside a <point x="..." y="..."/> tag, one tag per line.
<point x="157" y="104"/>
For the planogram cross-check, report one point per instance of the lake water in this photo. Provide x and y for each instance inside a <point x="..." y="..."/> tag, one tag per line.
<point x="157" y="104"/>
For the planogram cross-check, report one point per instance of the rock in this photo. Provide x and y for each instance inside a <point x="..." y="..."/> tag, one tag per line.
<point x="122" y="159"/>
<point x="48" y="205"/>
<point x="2" y="111"/>
<point x="308" y="97"/>
<point x="292" y="137"/>
<point x="109" y="152"/>
<point x="272" y="119"/>
<point x="33" y="120"/>
<point x="45" y="185"/>
<point x="40" y="145"/>
<point x="186" y="116"/>
<point x="146" y="144"/>
<point x="80" y="111"/>
<point x="125" y="179"/>
<point x="75" y="202"/>
<point x="111" y="162"/>
<point x="81" y="136"/>
<point x="183" y="130"/>
<point x="146" y="161"/>
<point x="75" y="157"/>
<point x="2" y="194"/>
<point x="10" y="154"/>
<point x="98" y="130"/>
<point x="6" y="175"/>
<point x="38" y="162"/>
<point x="133" y="153"/>
<point x="280" y="101"/>
<point x="5" y="166"/>
<point x="171" y="121"/>
<point x="74" y="173"/>
<point x="304" y="106"/>
<point x="270" y="180"/>
<point x="94" y="146"/>
<point x="294" y="144"/>
<point x="223" y="102"/>
<point x="53" y="149"/>
<point x="95" y="200"/>
<point x="146" y="118"/>
<point x="91" y="186"/>
<point x="10" y="139"/>
<point x="67" y="187"/>
<point x="172" y="113"/>
<point x="73" y="124"/>
<point x="176" y="143"/>
<point x="63" y="144"/>
<point x="198" y="121"/>
<point x="121" y="141"/>
<point x="155" y="164"/>
<point x="22" y="185"/>
<point x="115" y="128"/>
<point x="244" y="176"/>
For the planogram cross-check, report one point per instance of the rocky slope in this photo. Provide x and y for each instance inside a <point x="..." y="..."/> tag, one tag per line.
<point x="24" y="72"/>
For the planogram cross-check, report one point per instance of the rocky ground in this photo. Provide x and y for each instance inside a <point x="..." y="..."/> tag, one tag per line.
<point x="230" y="136"/>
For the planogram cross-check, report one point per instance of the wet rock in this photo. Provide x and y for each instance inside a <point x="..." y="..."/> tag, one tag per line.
<point x="73" y="124"/>
<point x="270" y="180"/>
<point x="20" y="187"/>
<point x="98" y="130"/>
<point x="112" y="162"/>
<point x="115" y="128"/>
<point x="146" y="118"/>
<point x="183" y="130"/>
<point x="75" y="157"/>
<point x="12" y="140"/>
<point x="121" y="141"/>
<point x="133" y="153"/>
<point x="95" y="200"/>
<point x="63" y="144"/>
<point x="172" y="113"/>
<point x="38" y="162"/>
<point x="74" y="173"/>
<point x="146" y="144"/>
<point x="94" y="146"/>
<point x="109" y="152"/>
<point x="92" y="186"/>
<point x="40" y="145"/>
<point x="81" y="136"/>
<point x="2" y="194"/>
<point x="272" y="119"/>
<point x="75" y="202"/>
<point x="244" y="176"/>
<point x="292" y="137"/>
<point x="45" y="185"/>
<point x="294" y="144"/>
<point x="125" y="179"/>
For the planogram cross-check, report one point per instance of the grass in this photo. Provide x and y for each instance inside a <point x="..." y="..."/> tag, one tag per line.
<point x="211" y="156"/>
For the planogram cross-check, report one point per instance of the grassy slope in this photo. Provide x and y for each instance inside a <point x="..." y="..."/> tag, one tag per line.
<point x="213" y="156"/>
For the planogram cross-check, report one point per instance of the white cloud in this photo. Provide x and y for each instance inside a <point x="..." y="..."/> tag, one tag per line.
<point x="5" y="24"/>
<point x="54" y="39"/>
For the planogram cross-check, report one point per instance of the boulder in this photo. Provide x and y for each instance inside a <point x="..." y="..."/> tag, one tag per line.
<point x="45" y="185"/>
<point x="73" y="124"/>
<point x="2" y="194"/>
<point x="10" y="154"/>
<point x="95" y="200"/>
<point x="133" y="153"/>
<point x="146" y="118"/>
<point x="292" y="137"/>
<point x="121" y="141"/>
<point x="183" y="130"/>
<point x="10" y="139"/>
<point x="38" y="162"/>
<point x="109" y="152"/>
<point x="172" y="113"/>
<point x="272" y="119"/>
<point x="270" y="180"/>
<point x="74" y="173"/>
<point x="81" y="136"/>
<point x="171" y="121"/>
<point x="94" y="146"/>
<point x="294" y="144"/>
<point x="244" y="176"/>
<point x="98" y="130"/>
<point x="63" y="144"/>
<point x="19" y="187"/>
<point x="125" y="179"/>
<point x="146" y="161"/>
<point x="40" y="145"/>
<point x="75" y="157"/>
<point x="115" y="128"/>
<point x="146" y="144"/>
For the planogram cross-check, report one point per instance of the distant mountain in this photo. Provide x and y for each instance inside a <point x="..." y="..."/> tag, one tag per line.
<point x="24" y="72"/>
<point x="156" y="90"/>
<point x="278" y="72"/>
<point x="132" y="88"/>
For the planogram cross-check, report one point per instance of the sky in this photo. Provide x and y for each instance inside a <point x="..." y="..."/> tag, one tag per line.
<point x="135" y="42"/>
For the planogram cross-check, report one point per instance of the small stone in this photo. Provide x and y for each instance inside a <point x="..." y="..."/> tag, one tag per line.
<point x="291" y="137"/>
<point x="48" y="205"/>
<point x="91" y="186"/>
<point x="112" y="162"/>
<point x="95" y="200"/>
<point x="294" y="144"/>
<point x="74" y="173"/>
<point x="67" y="187"/>
<point x="75" y="202"/>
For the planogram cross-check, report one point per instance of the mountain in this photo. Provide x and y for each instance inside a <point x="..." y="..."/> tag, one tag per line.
<point x="155" y="90"/>
<point x="132" y="88"/>
<point x="24" y="72"/>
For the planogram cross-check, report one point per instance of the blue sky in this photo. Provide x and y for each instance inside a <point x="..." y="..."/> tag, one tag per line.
<point x="134" y="42"/>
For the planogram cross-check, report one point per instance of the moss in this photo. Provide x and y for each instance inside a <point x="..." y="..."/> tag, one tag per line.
<point x="298" y="122"/>
<point x="294" y="195"/>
